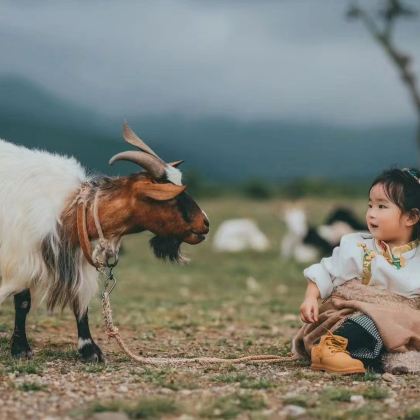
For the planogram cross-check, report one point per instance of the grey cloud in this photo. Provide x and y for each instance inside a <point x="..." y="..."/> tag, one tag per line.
<point x="295" y="59"/>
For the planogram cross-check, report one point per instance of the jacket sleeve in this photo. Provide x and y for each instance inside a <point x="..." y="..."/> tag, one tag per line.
<point x="345" y="263"/>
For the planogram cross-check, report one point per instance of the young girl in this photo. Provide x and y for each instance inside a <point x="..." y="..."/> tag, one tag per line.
<point x="387" y="258"/>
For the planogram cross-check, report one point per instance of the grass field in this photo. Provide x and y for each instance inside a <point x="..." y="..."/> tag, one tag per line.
<point x="218" y="305"/>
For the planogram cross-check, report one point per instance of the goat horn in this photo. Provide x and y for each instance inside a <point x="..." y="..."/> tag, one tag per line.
<point x="131" y="137"/>
<point x="176" y="163"/>
<point x="152" y="165"/>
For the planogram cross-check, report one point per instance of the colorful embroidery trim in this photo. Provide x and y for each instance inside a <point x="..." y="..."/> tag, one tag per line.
<point x="395" y="256"/>
<point x="368" y="256"/>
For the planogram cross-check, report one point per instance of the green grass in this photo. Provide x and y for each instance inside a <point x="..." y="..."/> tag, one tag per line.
<point x="95" y="368"/>
<point x="375" y="393"/>
<point x="24" y="367"/>
<point x="304" y="400"/>
<point x="31" y="387"/>
<point x="230" y="378"/>
<point x="51" y="353"/>
<point x="412" y="414"/>
<point x="153" y="408"/>
<point x="230" y="406"/>
<point x="338" y="394"/>
<point x="167" y="378"/>
<point x="256" y="383"/>
<point x="370" y="376"/>
<point x="147" y="408"/>
<point x="245" y="381"/>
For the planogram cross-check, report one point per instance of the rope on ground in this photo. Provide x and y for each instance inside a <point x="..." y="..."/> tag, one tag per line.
<point x="113" y="332"/>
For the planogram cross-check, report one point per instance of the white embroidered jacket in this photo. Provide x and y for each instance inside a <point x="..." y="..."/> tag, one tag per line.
<point x="373" y="262"/>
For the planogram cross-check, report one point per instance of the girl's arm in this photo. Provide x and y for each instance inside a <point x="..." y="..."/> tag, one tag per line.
<point x="309" y="308"/>
<point x="345" y="263"/>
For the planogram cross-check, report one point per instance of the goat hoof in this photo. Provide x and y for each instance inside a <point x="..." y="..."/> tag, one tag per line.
<point x="20" y="353"/>
<point x="91" y="353"/>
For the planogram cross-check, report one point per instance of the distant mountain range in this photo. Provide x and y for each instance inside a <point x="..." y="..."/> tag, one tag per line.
<point x="218" y="149"/>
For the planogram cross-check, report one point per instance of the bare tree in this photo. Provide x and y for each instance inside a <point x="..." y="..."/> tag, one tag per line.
<point x="381" y="27"/>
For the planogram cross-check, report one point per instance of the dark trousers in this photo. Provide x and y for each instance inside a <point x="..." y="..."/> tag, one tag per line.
<point x="359" y="338"/>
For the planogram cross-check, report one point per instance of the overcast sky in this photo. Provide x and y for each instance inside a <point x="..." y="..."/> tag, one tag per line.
<point x="294" y="60"/>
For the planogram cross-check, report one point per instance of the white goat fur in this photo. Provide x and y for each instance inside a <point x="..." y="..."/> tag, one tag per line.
<point x="34" y="188"/>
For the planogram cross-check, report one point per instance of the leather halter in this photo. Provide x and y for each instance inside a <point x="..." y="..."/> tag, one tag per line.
<point x="82" y="232"/>
<point x="105" y="250"/>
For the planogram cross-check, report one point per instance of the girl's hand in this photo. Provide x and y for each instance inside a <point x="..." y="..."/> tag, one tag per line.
<point x="309" y="310"/>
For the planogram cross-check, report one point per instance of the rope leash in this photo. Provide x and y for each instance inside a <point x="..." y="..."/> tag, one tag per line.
<point x="112" y="331"/>
<point x="104" y="258"/>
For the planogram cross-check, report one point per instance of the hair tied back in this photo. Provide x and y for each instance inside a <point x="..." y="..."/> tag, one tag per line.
<point x="412" y="174"/>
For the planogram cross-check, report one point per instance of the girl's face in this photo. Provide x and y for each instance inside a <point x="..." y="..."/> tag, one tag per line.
<point x="385" y="220"/>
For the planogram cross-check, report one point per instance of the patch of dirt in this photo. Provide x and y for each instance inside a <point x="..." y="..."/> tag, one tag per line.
<point x="58" y="385"/>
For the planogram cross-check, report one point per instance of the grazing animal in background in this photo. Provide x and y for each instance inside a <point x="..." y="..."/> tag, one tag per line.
<point x="292" y="245"/>
<point x="50" y="210"/>
<point x="306" y="243"/>
<point x="237" y="235"/>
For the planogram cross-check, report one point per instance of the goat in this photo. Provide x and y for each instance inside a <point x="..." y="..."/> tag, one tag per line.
<point x="307" y="243"/>
<point x="235" y="235"/>
<point x="47" y="220"/>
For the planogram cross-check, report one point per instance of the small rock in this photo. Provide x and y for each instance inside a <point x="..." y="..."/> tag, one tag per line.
<point x="357" y="399"/>
<point x="249" y="299"/>
<point x="275" y="330"/>
<point x="389" y="377"/>
<point x="252" y="284"/>
<point x="122" y="388"/>
<point x="185" y="392"/>
<point x="293" y="411"/>
<point x="282" y="289"/>
<point x="166" y="391"/>
<point x="110" y="415"/>
<point x="231" y="328"/>
<point x="290" y="317"/>
<point x="284" y="373"/>
<point x="185" y="417"/>
<point x="391" y="402"/>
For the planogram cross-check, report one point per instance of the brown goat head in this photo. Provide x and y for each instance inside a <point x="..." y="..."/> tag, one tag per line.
<point x="158" y="201"/>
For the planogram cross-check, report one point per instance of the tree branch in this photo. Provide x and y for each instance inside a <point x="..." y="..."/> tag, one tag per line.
<point x="401" y="60"/>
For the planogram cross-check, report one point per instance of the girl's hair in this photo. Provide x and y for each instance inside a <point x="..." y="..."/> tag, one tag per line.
<point x="402" y="187"/>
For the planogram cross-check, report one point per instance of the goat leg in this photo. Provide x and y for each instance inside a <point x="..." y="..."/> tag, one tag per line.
<point x="19" y="344"/>
<point x="88" y="349"/>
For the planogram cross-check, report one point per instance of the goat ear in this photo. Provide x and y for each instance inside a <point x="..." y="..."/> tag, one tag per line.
<point x="162" y="192"/>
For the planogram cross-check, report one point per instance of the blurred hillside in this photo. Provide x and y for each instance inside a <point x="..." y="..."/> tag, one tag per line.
<point x="217" y="149"/>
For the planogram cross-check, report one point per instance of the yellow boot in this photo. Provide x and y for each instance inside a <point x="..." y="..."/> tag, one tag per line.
<point x="331" y="356"/>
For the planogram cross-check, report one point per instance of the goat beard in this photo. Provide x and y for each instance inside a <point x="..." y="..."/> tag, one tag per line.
<point x="168" y="248"/>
